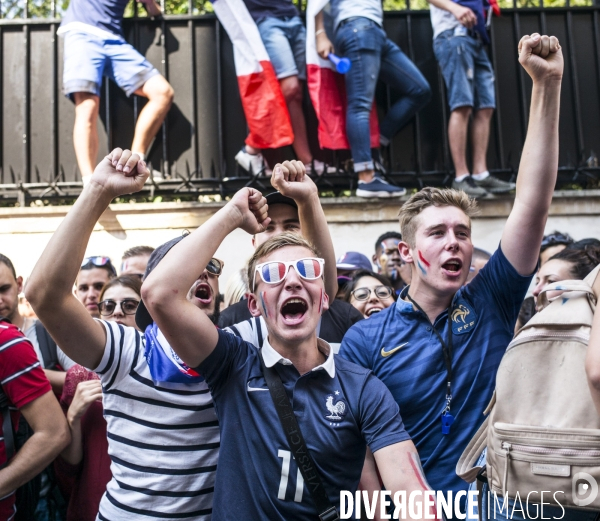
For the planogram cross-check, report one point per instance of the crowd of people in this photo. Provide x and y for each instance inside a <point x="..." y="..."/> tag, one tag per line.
<point x="145" y="393"/>
<point x="95" y="47"/>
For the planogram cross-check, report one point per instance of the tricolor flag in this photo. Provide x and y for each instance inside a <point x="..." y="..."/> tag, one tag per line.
<point x="264" y="105"/>
<point x="163" y="362"/>
<point x="273" y="272"/>
<point x="309" y="268"/>
<point x="327" y="90"/>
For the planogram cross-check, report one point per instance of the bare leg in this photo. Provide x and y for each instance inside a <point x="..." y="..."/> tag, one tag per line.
<point x="291" y="87"/>
<point x="457" y="136"/>
<point x="366" y="175"/>
<point x="160" y="96"/>
<point x="85" y="131"/>
<point x="480" y="135"/>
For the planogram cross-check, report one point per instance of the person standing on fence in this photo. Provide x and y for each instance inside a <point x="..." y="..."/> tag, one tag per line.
<point x="459" y="43"/>
<point x="95" y="46"/>
<point x="358" y="35"/>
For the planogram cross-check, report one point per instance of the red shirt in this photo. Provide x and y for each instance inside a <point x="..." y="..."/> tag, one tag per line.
<point x="23" y="381"/>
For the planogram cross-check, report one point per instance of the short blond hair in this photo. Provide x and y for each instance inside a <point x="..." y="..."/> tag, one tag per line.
<point x="430" y="196"/>
<point x="276" y="243"/>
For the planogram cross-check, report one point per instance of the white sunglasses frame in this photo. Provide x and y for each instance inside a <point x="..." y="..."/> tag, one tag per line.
<point x="258" y="267"/>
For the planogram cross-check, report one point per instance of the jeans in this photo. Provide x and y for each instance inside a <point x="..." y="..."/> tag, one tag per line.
<point x="374" y="56"/>
<point x="467" y="71"/>
<point x="285" y="41"/>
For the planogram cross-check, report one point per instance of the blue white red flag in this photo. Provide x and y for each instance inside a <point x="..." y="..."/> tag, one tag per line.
<point x="264" y="105"/>
<point x="164" y="364"/>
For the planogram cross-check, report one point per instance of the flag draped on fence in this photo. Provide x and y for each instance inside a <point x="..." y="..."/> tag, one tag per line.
<point x="327" y="90"/>
<point x="264" y="105"/>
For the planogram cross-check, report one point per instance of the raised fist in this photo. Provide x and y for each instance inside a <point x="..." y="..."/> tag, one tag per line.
<point x="541" y="57"/>
<point x="291" y="180"/>
<point x="120" y="172"/>
<point x="251" y="210"/>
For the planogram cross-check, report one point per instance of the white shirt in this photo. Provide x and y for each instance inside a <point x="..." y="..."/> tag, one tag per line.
<point x="442" y="20"/>
<point x="163" y="439"/>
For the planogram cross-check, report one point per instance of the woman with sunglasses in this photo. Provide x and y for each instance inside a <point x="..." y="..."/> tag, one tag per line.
<point x="370" y="292"/>
<point x="119" y="300"/>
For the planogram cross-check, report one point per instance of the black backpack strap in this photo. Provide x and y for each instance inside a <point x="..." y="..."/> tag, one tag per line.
<point x="47" y="345"/>
<point x="285" y="411"/>
<point x="7" y="428"/>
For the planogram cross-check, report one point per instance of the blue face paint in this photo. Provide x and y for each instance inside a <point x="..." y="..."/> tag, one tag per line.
<point x="421" y="268"/>
<point x="262" y="301"/>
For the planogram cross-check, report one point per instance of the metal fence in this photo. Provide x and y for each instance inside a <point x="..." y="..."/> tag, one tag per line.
<point x="205" y="128"/>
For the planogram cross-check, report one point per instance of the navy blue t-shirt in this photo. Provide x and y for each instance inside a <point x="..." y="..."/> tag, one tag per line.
<point x="260" y="9"/>
<point x="340" y="408"/>
<point x="104" y="14"/>
<point x="401" y="348"/>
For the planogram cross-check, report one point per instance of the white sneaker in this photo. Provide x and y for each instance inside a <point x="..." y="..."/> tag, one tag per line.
<point x="252" y="163"/>
<point x="319" y="168"/>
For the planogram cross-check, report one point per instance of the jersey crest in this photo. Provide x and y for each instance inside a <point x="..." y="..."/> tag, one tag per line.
<point x="463" y="319"/>
<point x="336" y="409"/>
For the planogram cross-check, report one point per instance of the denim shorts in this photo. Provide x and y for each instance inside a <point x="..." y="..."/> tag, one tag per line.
<point x="467" y="71"/>
<point x="88" y="57"/>
<point x="285" y="41"/>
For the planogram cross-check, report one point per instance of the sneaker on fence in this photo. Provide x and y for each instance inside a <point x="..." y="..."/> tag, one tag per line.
<point x="315" y="167"/>
<point x="378" y="188"/>
<point x="252" y="163"/>
<point x="494" y="185"/>
<point x="468" y="185"/>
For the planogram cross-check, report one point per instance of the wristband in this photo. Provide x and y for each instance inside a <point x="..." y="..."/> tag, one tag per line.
<point x="319" y="32"/>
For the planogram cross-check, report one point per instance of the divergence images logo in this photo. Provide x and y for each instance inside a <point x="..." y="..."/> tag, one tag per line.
<point x="585" y="489"/>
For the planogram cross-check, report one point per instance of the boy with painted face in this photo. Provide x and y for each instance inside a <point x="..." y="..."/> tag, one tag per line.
<point x="341" y="408"/>
<point x="438" y="348"/>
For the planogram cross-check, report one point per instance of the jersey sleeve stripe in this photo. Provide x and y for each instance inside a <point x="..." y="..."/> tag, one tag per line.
<point x="19" y="373"/>
<point x="13" y="342"/>
<point x="161" y="403"/>
<point x="118" y="366"/>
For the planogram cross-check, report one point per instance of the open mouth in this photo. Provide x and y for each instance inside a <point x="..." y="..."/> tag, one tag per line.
<point x="452" y="266"/>
<point x="294" y="309"/>
<point x="372" y="311"/>
<point x="203" y="293"/>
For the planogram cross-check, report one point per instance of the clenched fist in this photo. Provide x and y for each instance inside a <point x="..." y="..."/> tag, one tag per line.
<point x="541" y="56"/>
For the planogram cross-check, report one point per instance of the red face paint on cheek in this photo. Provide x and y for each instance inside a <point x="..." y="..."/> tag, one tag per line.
<point x="423" y="259"/>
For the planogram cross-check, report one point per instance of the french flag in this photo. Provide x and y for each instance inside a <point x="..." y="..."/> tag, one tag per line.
<point x="264" y="105"/>
<point x="309" y="268"/>
<point x="327" y="89"/>
<point x="273" y="272"/>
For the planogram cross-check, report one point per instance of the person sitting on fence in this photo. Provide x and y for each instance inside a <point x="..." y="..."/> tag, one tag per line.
<point x="359" y="36"/>
<point x="94" y="47"/>
<point x="459" y="39"/>
<point x="284" y="37"/>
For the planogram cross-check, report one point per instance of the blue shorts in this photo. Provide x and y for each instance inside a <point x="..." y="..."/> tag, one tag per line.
<point x="467" y="71"/>
<point x="88" y="57"/>
<point x="285" y="41"/>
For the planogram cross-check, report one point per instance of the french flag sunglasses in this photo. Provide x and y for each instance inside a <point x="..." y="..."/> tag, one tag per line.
<point x="273" y="272"/>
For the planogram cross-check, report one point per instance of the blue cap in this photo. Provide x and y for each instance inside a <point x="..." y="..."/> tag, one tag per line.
<point x="352" y="260"/>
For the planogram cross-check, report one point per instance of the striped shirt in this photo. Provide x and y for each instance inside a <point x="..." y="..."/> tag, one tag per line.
<point x="23" y="381"/>
<point x="163" y="439"/>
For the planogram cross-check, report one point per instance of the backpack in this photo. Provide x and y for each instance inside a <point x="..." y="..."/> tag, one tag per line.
<point x="543" y="431"/>
<point x="48" y="346"/>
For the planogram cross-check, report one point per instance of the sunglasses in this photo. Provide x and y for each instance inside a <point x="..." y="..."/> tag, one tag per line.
<point x="381" y="292"/>
<point x="128" y="306"/>
<point x="556" y="238"/>
<point x="99" y="262"/>
<point x="215" y="267"/>
<point x="310" y="268"/>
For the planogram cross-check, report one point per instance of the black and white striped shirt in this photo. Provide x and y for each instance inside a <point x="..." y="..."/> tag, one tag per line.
<point x="163" y="439"/>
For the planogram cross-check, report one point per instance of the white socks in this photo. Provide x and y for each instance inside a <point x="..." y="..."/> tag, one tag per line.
<point x="482" y="176"/>
<point x="460" y="178"/>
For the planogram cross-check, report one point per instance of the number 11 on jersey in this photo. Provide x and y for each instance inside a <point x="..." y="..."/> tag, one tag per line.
<point x="286" y="455"/>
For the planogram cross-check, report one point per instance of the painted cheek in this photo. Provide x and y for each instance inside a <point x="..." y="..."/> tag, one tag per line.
<point x="263" y="301"/>
<point x="421" y="268"/>
<point x="321" y="302"/>
<point x="424" y="260"/>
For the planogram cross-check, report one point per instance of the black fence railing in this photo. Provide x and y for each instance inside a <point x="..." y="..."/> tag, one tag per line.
<point x="206" y="127"/>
